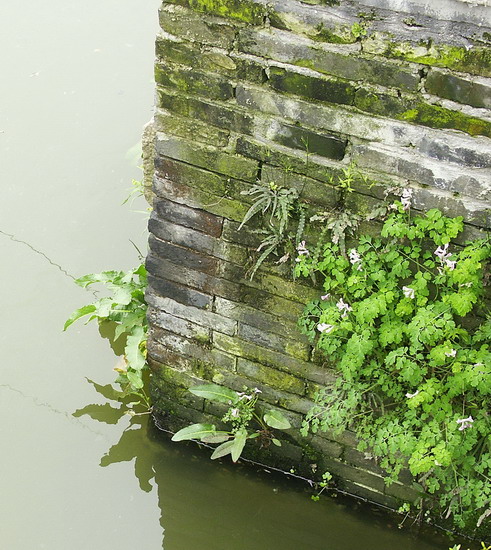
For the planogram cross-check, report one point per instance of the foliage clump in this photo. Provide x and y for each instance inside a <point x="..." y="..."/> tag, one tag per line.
<point x="401" y="318"/>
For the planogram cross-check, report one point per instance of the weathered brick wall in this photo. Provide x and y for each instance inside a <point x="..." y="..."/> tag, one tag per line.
<point x="402" y="88"/>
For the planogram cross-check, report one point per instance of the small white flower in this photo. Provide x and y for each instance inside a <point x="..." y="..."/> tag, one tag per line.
<point x="408" y="292"/>
<point x="406" y="198"/>
<point x="243" y="395"/>
<point x="325" y="297"/>
<point x="451" y="353"/>
<point x="324" y="328"/>
<point x="355" y="259"/>
<point x="302" y="250"/>
<point x="344" y="308"/>
<point x="465" y="423"/>
<point x="441" y="252"/>
<point x="450" y="264"/>
<point x="257" y="390"/>
<point x="411" y="395"/>
<point x="235" y="413"/>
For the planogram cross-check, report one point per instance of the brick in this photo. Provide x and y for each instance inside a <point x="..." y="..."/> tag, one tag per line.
<point x="206" y="111"/>
<point x="474" y="152"/>
<point x="404" y="492"/>
<point x="328" y="448"/>
<point x="206" y="157"/>
<point x="274" y="342"/>
<point x="185" y="23"/>
<point x="188" y="258"/>
<point x="175" y="125"/>
<point x="178" y="326"/>
<point x="345" y="62"/>
<point x="190" y="81"/>
<point x="191" y="349"/>
<point x="252" y="12"/>
<point x="180" y="293"/>
<point x="475" y="92"/>
<point x="189" y="217"/>
<point x="366" y="493"/>
<point x="201" y="317"/>
<point x="196" y="198"/>
<point x="336" y="119"/>
<point x="311" y="87"/>
<point x="363" y="460"/>
<point x="272" y="377"/>
<point x="264" y="356"/>
<point x="357" y="475"/>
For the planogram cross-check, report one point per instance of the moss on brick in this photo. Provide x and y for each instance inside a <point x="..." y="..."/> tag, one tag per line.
<point x="440" y="117"/>
<point x="245" y="11"/>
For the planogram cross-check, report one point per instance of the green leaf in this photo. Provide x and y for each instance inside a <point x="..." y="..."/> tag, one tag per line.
<point x="276" y="442"/>
<point x="195" y="431"/>
<point x="223" y="449"/>
<point x="86" y="310"/>
<point x="134" y="356"/>
<point x="215" y="393"/>
<point x="276" y="419"/>
<point x="104" y="277"/>
<point x="238" y="444"/>
<point x="135" y="380"/>
<point x="217" y="437"/>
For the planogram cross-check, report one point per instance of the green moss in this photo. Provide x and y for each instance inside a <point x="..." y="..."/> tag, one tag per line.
<point x="338" y="35"/>
<point x="477" y="60"/>
<point x="203" y="370"/>
<point x="439" y="117"/>
<point x="243" y="10"/>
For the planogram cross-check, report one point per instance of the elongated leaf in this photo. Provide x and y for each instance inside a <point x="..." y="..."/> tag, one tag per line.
<point x="217" y="437"/>
<point x="238" y="444"/>
<point x="215" y="393"/>
<point x="79" y="313"/>
<point x="277" y="420"/>
<point x="223" y="449"/>
<point x="135" y="380"/>
<point x="135" y="357"/>
<point x="104" y="277"/>
<point x="195" y="431"/>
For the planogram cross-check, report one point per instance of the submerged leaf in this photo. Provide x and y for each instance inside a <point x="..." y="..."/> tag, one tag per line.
<point x="195" y="431"/>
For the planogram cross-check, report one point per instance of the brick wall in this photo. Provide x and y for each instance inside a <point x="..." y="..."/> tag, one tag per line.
<point x="242" y="87"/>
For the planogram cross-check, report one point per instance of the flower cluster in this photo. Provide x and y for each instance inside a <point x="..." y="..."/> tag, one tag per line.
<point x="302" y="251"/>
<point x="408" y="292"/>
<point x="442" y="253"/>
<point x="325" y="328"/>
<point x="406" y="198"/>
<point x="465" y="423"/>
<point x="344" y="308"/>
<point x="355" y="259"/>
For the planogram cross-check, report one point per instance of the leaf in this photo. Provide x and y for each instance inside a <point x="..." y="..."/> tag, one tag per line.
<point x="238" y="444"/>
<point x="135" y="380"/>
<point x="222" y="450"/>
<point x="195" y="431"/>
<point x="276" y="419"/>
<point x="134" y="356"/>
<point x="217" y="437"/>
<point x="104" y="277"/>
<point x="215" y="393"/>
<point x="276" y="442"/>
<point x="79" y="313"/>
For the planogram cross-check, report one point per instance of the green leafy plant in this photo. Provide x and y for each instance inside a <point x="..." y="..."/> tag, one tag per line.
<point x="326" y="479"/>
<point x="241" y="413"/>
<point x="399" y="319"/>
<point x="126" y="309"/>
<point x="277" y="205"/>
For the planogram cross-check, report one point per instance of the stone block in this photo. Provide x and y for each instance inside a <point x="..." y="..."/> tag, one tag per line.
<point x="179" y="326"/>
<point x="209" y="158"/>
<point x="332" y="449"/>
<point x="188" y="217"/>
<point x="180" y="293"/>
<point x="183" y="256"/>
<point x="475" y="92"/>
<point x="274" y="342"/>
<point x="252" y="12"/>
<point x="311" y="87"/>
<point x="344" y="62"/>
<point x="175" y="125"/>
<point x="196" y="198"/>
<point x="190" y="81"/>
<point x="276" y="379"/>
<point x="459" y="149"/>
<point x="185" y="23"/>
<point x="201" y="317"/>
<point x="363" y="460"/>
<point x="406" y="493"/>
<point x="350" y="473"/>
<point x="264" y="356"/>
<point x="206" y="111"/>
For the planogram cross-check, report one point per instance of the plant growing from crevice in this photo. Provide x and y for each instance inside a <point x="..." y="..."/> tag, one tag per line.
<point x="242" y="412"/>
<point x="398" y="320"/>
<point x="126" y="309"/>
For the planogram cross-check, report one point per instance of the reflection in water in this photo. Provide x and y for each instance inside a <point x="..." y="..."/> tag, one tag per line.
<point x="221" y="506"/>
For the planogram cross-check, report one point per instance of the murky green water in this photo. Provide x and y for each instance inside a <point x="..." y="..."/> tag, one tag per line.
<point x="76" y="90"/>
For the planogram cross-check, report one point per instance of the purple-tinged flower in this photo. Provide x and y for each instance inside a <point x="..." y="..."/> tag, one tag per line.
<point x="465" y="423"/>
<point x="408" y="292"/>
<point x="325" y="297"/>
<point x="406" y="198"/>
<point x="451" y="353"/>
<point x="442" y="252"/>
<point x="344" y="308"/>
<point x="324" y="328"/>
<point x="411" y="395"/>
<point x="450" y="264"/>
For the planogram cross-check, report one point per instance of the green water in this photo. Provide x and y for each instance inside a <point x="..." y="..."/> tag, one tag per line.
<point x="75" y="474"/>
